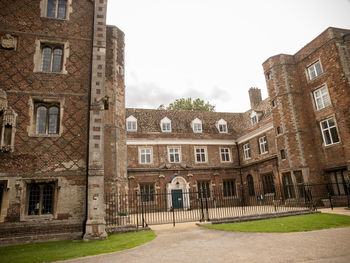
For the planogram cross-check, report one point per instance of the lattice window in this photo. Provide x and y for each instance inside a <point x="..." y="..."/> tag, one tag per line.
<point x="56" y="9"/>
<point x="47" y="118"/>
<point x="51" y="58"/>
<point x="40" y="198"/>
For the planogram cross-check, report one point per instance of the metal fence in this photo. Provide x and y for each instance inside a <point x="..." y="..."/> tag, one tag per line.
<point x="147" y="208"/>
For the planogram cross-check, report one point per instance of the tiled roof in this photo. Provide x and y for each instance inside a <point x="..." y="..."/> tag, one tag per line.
<point x="148" y="121"/>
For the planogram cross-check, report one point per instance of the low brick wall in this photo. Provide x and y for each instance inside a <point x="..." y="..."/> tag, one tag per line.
<point x="258" y="217"/>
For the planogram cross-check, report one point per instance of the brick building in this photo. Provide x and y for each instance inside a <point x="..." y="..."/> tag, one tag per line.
<point x="61" y="101"/>
<point x="66" y="137"/>
<point x="300" y="134"/>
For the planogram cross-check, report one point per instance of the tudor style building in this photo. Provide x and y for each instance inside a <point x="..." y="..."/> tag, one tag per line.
<point x="61" y="101"/>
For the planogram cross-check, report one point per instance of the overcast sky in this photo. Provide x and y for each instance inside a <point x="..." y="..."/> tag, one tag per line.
<point x="213" y="49"/>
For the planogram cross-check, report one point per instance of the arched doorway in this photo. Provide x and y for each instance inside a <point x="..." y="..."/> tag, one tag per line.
<point x="178" y="193"/>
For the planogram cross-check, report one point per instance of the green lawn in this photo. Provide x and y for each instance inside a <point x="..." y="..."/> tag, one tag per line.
<point x="288" y="224"/>
<point x="52" y="251"/>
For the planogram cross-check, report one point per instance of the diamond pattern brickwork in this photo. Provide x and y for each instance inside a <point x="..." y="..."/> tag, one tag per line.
<point x="67" y="152"/>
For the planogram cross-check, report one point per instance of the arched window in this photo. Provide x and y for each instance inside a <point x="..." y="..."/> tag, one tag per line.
<point x="57" y="60"/>
<point x="41" y="115"/>
<point x="250" y="182"/>
<point x="46" y="59"/>
<point x="51" y="60"/>
<point x="53" y="120"/>
<point x="47" y="119"/>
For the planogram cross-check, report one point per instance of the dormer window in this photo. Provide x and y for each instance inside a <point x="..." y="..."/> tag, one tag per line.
<point x="254" y="118"/>
<point x="197" y="125"/>
<point x="165" y="125"/>
<point x="131" y="124"/>
<point x="222" y="126"/>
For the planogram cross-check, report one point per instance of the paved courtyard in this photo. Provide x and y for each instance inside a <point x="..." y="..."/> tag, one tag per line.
<point x="190" y="243"/>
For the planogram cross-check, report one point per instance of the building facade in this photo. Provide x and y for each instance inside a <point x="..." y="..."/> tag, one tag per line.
<point x="298" y="135"/>
<point x="66" y="138"/>
<point x="61" y="101"/>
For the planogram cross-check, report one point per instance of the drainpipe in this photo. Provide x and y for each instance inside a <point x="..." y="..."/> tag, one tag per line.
<point x="88" y="123"/>
<point x="240" y="174"/>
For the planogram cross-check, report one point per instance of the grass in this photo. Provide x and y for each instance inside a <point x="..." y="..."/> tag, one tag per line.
<point x="52" y="251"/>
<point x="288" y="224"/>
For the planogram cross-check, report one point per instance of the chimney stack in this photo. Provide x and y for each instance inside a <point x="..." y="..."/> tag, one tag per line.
<point x="254" y="97"/>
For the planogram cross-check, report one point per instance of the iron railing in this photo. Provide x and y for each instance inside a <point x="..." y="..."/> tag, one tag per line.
<point x="184" y="206"/>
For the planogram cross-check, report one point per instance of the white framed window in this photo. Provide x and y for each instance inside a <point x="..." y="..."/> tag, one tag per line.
<point x="200" y="154"/>
<point x="145" y="155"/>
<point x="165" y="125"/>
<point x="263" y="148"/>
<point x="321" y="97"/>
<point x="314" y="70"/>
<point x="174" y="154"/>
<point x="329" y="131"/>
<point x="246" y="151"/>
<point x="225" y="155"/>
<point x="131" y="124"/>
<point x="222" y="126"/>
<point x="254" y="118"/>
<point x="197" y="125"/>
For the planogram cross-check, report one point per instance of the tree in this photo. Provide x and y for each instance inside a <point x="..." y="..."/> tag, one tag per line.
<point x="188" y="104"/>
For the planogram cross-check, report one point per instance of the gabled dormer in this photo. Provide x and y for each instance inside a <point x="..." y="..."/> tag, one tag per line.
<point x="196" y="125"/>
<point x="221" y="125"/>
<point x="131" y="124"/>
<point x="165" y="125"/>
<point x="255" y="117"/>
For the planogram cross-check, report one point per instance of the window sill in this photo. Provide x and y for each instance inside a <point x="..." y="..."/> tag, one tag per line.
<point x="317" y="77"/>
<point x="264" y="153"/>
<point x="33" y="218"/>
<point x="44" y="135"/>
<point x="330" y="145"/>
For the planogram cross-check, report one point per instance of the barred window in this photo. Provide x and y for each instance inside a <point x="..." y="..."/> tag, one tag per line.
<point x="203" y="189"/>
<point x="40" y="198"/>
<point x="229" y="188"/>
<point x="47" y="118"/>
<point x="268" y="184"/>
<point x="288" y="186"/>
<point x="250" y="182"/>
<point x="56" y="9"/>
<point x="147" y="192"/>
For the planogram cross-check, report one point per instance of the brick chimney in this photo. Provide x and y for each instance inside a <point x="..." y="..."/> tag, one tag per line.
<point x="254" y="97"/>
